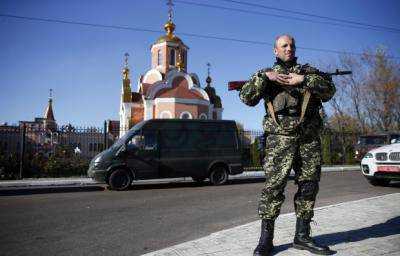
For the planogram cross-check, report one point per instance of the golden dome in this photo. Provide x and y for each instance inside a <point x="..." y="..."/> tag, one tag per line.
<point x="169" y="27"/>
<point x="169" y="37"/>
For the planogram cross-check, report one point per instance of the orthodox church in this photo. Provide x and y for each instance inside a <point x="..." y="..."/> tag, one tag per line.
<point x="167" y="90"/>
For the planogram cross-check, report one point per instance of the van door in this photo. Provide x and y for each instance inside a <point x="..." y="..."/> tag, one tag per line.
<point x="182" y="153"/>
<point x="143" y="157"/>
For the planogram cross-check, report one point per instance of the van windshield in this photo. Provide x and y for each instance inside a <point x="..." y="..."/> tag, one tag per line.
<point x="129" y="134"/>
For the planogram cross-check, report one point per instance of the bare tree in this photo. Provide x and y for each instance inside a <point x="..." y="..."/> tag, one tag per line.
<point x="382" y="90"/>
<point x="371" y="95"/>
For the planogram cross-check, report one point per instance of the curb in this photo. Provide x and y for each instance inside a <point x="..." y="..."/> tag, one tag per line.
<point x="57" y="182"/>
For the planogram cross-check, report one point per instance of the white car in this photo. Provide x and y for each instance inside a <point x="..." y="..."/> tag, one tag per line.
<point x="381" y="165"/>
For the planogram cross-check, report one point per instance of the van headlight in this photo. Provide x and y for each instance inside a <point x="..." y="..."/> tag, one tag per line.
<point x="369" y="155"/>
<point x="97" y="159"/>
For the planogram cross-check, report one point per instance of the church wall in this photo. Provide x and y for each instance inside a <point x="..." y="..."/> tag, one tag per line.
<point x="137" y="115"/>
<point x="192" y="109"/>
<point x="161" y="107"/>
<point x="203" y="109"/>
<point x="154" y="57"/>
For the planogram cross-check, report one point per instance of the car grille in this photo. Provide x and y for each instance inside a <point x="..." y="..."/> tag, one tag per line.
<point x="381" y="156"/>
<point x="394" y="156"/>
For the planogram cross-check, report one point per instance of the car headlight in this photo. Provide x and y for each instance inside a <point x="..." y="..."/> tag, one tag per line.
<point x="369" y="155"/>
<point x="97" y="160"/>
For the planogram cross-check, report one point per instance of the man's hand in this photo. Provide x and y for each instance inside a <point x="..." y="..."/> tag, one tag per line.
<point x="295" y="79"/>
<point x="292" y="79"/>
<point x="276" y="77"/>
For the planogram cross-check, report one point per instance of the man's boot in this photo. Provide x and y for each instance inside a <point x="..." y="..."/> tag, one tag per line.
<point x="303" y="241"/>
<point x="265" y="245"/>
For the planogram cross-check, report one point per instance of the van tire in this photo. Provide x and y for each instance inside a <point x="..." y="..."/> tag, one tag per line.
<point x="219" y="175"/>
<point x="120" y="179"/>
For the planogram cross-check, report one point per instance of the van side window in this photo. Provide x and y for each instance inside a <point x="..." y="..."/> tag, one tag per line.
<point x="150" y="139"/>
<point x="197" y="139"/>
<point x="175" y="139"/>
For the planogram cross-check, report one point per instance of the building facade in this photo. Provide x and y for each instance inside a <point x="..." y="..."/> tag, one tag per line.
<point x="167" y="90"/>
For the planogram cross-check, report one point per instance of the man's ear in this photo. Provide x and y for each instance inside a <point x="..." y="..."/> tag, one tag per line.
<point x="275" y="51"/>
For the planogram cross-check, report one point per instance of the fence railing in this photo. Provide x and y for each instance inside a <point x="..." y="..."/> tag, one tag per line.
<point x="67" y="151"/>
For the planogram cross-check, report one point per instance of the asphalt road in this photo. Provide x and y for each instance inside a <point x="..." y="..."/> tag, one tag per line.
<point x="93" y="221"/>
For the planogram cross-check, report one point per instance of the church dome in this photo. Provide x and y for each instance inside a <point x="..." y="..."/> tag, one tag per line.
<point x="169" y="37"/>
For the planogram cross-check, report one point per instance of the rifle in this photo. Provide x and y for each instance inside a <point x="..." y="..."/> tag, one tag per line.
<point x="237" y="85"/>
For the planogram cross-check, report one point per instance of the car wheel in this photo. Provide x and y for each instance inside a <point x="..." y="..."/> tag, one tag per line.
<point x="219" y="175"/>
<point x="120" y="179"/>
<point x="379" y="182"/>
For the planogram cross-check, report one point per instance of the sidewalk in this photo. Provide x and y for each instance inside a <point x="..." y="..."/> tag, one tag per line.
<point x="359" y="228"/>
<point x="56" y="182"/>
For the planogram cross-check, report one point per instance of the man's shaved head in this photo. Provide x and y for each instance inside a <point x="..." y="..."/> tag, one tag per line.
<point x="284" y="35"/>
<point x="285" y="47"/>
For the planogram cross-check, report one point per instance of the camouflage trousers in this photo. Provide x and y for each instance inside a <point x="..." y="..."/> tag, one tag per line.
<point x="282" y="153"/>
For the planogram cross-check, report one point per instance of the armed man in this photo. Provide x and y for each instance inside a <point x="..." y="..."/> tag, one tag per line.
<point x="293" y="95"/>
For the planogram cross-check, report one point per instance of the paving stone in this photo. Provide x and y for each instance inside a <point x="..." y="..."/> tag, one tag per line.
<point x="367" y="227"/>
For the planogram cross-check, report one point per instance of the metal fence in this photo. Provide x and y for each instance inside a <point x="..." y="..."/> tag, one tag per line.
<point x="35" y="152"/>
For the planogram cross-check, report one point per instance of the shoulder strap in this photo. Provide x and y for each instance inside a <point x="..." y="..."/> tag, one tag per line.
<point x="272" y="112"/>
<point x="306" y="99"/>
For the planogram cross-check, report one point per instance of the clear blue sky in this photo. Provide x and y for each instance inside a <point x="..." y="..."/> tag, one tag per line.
<point x="83" y="64"/>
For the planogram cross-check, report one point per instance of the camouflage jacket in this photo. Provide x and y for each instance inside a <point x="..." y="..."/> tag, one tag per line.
<point x="287" y="100"/>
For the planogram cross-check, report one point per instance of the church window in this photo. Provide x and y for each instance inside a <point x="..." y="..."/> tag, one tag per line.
<point x="203" y="116"/>
<point x="183" y="56"/>
<point x="165" y="115"/>
<point x="159" y="57"/>
<point x="172" y="57"/>
<point x="185" y="115"/>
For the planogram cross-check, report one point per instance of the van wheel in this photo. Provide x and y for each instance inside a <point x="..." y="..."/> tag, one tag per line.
<point x="120" y="179"/>
<point x="218" y="176"/>
<point x="379" y="182"/>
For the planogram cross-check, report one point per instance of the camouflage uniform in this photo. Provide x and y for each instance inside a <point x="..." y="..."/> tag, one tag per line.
<point x="289" y="145"/>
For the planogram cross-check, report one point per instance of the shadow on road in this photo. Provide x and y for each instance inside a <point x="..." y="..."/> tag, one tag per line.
<point x="394" y="184"/>
<point x="47" y="190"/>
<point x="388" y="228"/>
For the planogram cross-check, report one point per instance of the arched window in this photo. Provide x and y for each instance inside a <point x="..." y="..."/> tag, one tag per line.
<point x="165" y="115"/>
<point x="185" y="115"/>
<point x="183" y="54"/>
<point x="159" y="57"/>
<point x="172" y="57"/>
<point x="203" y="116"/>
